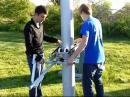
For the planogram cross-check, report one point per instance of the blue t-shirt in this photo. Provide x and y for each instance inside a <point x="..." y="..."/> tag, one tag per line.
<point x="94" y="50"/>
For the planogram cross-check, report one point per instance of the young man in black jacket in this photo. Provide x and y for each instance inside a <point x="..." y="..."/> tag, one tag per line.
<point x="34" y="35"/>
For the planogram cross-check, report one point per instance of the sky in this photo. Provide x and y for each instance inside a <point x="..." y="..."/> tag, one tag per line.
<point x="119" y="4"/>
<point x="116" y="4"/>
<point x="39" y="2"/>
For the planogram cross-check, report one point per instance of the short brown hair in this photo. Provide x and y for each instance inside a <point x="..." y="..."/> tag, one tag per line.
<point x="86" y="8"/>
<point x="41" y="9"/>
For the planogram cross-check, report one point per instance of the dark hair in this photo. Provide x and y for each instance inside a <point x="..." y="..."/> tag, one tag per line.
<point x="41" y="9"/>
<point x="86" y="9"/>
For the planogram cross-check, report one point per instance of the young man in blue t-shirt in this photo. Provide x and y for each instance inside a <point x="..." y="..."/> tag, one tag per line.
<point x="94" y="57"/>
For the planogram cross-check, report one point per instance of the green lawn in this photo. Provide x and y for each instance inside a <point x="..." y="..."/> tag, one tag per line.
<point x="14" y="72"/>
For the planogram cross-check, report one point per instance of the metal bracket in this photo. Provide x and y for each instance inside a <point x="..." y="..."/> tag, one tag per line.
<point x="56" y="57"/>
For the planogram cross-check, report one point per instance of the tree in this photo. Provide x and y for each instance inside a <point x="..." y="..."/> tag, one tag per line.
<point x="102" y="10"/>
<point x="17" y="10"/>
<point x="57" y="2"/>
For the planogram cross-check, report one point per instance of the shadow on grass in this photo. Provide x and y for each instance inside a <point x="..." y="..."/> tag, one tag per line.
<point x="119" y="40"/>
<point x="119" y="93"/>
<point x="23" y="81"/>
<point x="16" y="37"/>
<point x="14" y="82"/>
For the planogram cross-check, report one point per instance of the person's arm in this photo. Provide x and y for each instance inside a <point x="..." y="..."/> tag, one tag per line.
<point x="84" y="32"/>
<point x="78" y="40"/>
<point x="81" y="47"/>
<point x="50" y="39"/>
<point x="28" y="38"/>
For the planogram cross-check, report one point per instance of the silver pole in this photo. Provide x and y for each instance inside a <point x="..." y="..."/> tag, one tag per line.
<point x="67" y="35"/>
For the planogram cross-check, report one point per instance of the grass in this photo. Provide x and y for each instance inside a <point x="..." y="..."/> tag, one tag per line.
<point x="14" y="71"/>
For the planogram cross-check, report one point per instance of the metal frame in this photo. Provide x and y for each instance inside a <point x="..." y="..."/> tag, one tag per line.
<point x="55" y="57"/>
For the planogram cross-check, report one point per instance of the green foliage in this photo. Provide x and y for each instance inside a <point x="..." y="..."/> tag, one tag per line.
<point x="116" y="29"/>
<point x="102" y="10"/>
<point x="15" y="9"/>
<point x="52" y="23"/>
<point x="119" y="23"/>
<point x="15" y="14"/>
<point x="56" y="2"/>
<point x="11" y="27"/>
<point x="77" y="23"/>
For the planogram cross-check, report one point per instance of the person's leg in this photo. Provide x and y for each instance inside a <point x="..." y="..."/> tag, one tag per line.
<point x="38" y="72"/>
<point x="29" y="60"/>
<point x="99" y="83"/>
<point x="88" y="73"/>
<point x="39" y="68"/>
<point x="32" y="91"/>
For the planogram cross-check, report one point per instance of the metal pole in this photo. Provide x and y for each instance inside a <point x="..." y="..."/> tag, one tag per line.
<point x="67" y="35"/>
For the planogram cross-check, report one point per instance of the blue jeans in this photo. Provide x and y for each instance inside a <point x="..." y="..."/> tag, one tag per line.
<point x="34" y="92"/>
<point x="92" y="73"/>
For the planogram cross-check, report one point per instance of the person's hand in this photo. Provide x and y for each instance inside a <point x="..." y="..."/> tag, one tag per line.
<point x="77" y="41"/>
<point x="41" y="61"/>
<point x="59" y="42"/>
<point x="70" y="61"/>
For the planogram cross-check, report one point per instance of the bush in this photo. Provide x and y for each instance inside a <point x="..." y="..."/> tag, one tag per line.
<point x="11" y="27"/>
<point x="52" y="23"/>
<point x="77" y="23"/>
<point x="4" y="27"/>
<point x="14" y="14"/>
<point x="116" y="29"/>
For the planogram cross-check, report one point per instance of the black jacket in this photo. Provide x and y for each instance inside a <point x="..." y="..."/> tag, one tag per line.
<point x="34" y="37"/>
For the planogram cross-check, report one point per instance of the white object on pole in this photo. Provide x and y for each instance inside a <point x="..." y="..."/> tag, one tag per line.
<point x="67" y="35"/>
<point x="33" y="69"/>
<point x="40" y="78"/>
